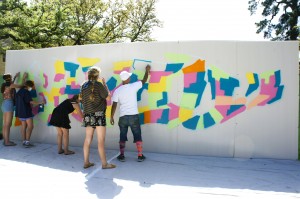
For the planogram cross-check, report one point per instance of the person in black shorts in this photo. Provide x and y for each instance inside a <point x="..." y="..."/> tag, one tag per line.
<point x="60" y="119"/>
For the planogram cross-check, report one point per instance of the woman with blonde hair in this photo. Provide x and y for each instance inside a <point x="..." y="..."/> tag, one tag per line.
<point x="93" y="98"/>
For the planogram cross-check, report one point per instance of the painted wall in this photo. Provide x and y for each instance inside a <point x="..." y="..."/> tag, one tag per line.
<point x="214" y="98"/>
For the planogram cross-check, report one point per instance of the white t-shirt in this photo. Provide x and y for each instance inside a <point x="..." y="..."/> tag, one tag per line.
<point x="126" y="96"/>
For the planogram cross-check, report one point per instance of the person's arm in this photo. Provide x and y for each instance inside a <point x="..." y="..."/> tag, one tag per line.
<point x="112" y="113"/>
<point x="78" y="110"/>
<point x="17" y="75"/>
<point x="147" y="71"/>
<point x="105" y="86"/>
<point x="37" y="103"/>
<point x="25" y="75"/>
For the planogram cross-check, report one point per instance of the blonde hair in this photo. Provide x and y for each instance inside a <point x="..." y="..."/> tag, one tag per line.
<point x="93" y="75"/>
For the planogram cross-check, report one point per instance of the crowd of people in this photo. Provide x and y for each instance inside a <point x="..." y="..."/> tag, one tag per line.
<point x="93" y="97"/>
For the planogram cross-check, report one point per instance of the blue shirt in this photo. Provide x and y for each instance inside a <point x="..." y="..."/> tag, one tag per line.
<point x="23" y="106"/>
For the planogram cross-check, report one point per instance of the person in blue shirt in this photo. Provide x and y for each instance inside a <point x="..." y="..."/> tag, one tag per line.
<point x="24" y="104"/>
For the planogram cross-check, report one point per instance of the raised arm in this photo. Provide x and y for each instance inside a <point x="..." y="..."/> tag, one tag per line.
<point x="147" y="71"/>
<point x="105" y="86"/>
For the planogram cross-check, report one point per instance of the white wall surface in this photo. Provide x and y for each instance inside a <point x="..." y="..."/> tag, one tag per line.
<point x="266" y="130"/>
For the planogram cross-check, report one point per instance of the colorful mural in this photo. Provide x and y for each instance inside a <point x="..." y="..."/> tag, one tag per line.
<point x="196" y="77"/>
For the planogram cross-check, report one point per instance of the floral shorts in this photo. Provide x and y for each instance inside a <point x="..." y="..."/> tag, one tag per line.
<point x="94" y="119"/>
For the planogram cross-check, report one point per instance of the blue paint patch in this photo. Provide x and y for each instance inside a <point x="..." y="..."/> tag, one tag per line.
<point x="142" y="118"/>
<point x="228" y="85"/>
<point x="234" y="108"/>
<point x="174" y="67"/>
<point x="253" y="87"/>
<point x="191" y="123"/>
<point x="139" y="93"/>
<point x="133" y="78"/>
<point x="71" y="91"/>
<point x="69" y="66"/>
<point x="277" y="78"/>
<point x="212" y="82"/>
<point x="165" y="117"/>
<point x="278" y="95"/>
<point x="85" y="69"/>
<point x="111" y="83"/>
<point x="163" y="101"/>
<point x="208" y="120"/>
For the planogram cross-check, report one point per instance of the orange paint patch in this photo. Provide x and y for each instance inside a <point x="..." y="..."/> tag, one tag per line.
<point x="198" y="66"/>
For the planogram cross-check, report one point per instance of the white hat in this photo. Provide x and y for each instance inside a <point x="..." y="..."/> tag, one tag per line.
<point x="125" y="75"/>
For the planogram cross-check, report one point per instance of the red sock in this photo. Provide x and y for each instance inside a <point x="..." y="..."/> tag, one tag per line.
<point x="122" y="147"/>
<point x="139" y="147"/>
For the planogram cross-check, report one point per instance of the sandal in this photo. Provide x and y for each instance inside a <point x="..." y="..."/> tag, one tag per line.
<point x="61" y="151"/>
<point x="108" y="166"/>
<point x="10" y="144"/>
<point x="85" y="166"/>
<point x="69" y="153"/>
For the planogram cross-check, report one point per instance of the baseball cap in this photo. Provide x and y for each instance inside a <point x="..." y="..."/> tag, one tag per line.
<point x="124" y="75"/>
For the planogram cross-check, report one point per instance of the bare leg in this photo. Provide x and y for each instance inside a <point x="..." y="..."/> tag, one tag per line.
<point x="29" y="128"/>
<point x="66" y="141"/>
<point x="59" y="140"/>
<point x="101" y="133"/>
<point x="7" y="120"/>
<point x="23" y="130"/>
<point x="89" y="132"/>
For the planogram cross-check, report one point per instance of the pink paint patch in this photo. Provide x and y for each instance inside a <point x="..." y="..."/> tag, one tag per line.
<point x="174" y="111"/>
<point x="219" y="92"/>
<point x="268" y="89"/>
<point x="77" y="117"/>
<point x="46" y="80"/>
<point x="124" y="69"/>
<point x="49" y="117"/>
<point x="35" y="110"/>
<point x="157" y="75"/>
<point x="223" y="110"/>
<point x="59" y="77"/>
<point x="227" y="117"/>
<point x="62" y="90"/>
<point x="189" y="78"/>
<point x="56" y="101"/>
<point x="74" y="85"/>
<point x="155" y="115"/>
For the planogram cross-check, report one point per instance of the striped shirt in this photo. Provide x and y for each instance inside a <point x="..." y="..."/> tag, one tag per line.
<point x="100" y="95"/>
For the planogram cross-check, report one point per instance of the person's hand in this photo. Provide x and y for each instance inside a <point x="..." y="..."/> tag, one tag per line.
<point x="148" y="67"/>
<point x="17" y="74"/>
<point x="112" y="121"/>
<point x="103" y="80"/>
<point x="25" y="75"/>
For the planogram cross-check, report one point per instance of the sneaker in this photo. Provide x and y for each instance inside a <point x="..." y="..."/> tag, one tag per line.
<point x="141" y="158"/>
<point x="121" y="158"/>
<point x="27" y="144"/>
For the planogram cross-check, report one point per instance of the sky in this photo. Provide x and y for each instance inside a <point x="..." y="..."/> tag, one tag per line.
<point x="206" y="20"/>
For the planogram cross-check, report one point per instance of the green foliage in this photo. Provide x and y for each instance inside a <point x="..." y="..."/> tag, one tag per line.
<point x="50" y="23"/>
<point x="280" y="18"/>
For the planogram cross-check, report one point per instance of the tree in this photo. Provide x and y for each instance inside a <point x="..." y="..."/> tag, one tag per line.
<point x="287" y="13"/>
<point x="49" y="23"/>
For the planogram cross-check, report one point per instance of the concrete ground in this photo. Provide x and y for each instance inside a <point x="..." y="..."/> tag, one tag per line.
<point x="39" y="172"/>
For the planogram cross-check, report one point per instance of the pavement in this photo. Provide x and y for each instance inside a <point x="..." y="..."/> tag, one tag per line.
<point x="39" y="172"/>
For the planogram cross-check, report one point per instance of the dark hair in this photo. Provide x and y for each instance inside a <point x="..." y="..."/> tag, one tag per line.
<point x="29" y="83"/>
<point x="7" y="76"/>
<point x="74" y="98"/>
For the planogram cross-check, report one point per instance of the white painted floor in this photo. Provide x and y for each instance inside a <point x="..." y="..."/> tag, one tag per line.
<point x="41" y="173"/>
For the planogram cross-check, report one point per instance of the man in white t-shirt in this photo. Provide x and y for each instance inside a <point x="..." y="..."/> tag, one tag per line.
<point x="126" y="96"/>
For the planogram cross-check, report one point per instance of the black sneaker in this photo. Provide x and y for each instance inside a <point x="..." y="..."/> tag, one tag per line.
<point x="121" y="158"/>
<point x="141" y="158"/>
